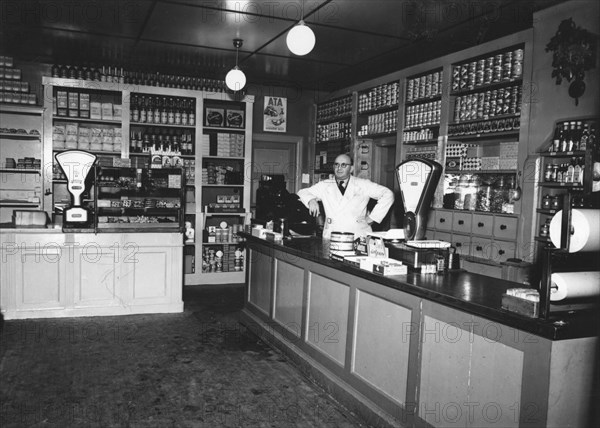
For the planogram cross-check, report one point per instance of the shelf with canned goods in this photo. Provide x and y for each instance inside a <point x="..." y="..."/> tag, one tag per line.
<point x="338" y="109"/>
<point x="488" y="71"/>
<point x="379" y="98"/>
<point x="424" y="87"/>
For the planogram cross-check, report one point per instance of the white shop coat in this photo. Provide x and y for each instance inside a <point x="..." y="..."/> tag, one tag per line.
<point x="348" y="212"/>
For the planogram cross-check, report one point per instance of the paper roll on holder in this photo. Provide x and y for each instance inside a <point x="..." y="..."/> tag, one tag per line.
<point x="567" y="231"/>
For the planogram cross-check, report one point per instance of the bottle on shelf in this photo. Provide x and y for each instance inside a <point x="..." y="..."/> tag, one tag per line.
<point x="143" y="110"/>
<point x="135" y="110"/>
<point x="585" y="137"/>
<point x="191" y="113"/>
<point x="177" y="112"/>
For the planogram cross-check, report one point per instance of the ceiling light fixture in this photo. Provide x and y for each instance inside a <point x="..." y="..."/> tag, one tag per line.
<point x="300" y="39"/>
<point x="235" y="78"/>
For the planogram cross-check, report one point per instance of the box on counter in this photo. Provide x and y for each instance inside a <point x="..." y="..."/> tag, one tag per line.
<point x="392" y="267"/>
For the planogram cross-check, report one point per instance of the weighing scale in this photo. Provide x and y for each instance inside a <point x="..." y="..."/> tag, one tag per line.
<point x="418" y="179"/>
<point x="76" y="164"/>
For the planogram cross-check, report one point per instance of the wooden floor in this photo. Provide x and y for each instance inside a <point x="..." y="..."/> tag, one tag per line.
<point x="199" y="368"/>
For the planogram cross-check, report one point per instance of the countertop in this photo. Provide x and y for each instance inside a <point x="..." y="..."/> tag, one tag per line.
<point x="472" y="293"/>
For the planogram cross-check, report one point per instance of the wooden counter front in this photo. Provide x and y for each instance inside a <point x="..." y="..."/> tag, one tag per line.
<point x="47" y="273"/>
<point x="419" y="350"/>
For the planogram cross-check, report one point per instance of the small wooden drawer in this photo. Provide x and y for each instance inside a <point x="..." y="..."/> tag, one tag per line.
<point x="461" y="222"/>
<point x="481" y="247"/>
<point x="505" y="227"/>
<point x="443" y="220"/>
<point x="443" y="236"/>
<point x="431" y="220"/>
<point x="482" y="224"/>
<point x="462" y="243"/>
<point x="502" y="251"/>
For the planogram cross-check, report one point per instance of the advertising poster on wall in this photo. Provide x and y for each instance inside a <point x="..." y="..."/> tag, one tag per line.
<point x="275" y="114"/>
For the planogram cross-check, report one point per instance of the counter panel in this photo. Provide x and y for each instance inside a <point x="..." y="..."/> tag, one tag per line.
<point x="54" y="274"/>
<point x="261" y="272"/>
<point x="419" y="350"/>
<point x="381" y="345"/>
<point x="327" y="319"/>
<point x="96" y="279"/>
<point x="289" y="295"/>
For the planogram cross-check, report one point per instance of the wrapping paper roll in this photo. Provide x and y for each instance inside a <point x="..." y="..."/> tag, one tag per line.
<point x="585" y="228"/>
<point x="572" y="285"/>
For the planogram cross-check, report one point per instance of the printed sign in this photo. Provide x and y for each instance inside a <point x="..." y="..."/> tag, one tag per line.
<point x="275" y="114"/>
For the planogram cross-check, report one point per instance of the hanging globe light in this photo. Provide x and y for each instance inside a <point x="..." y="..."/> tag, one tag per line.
<point x="235" y="78"/>
<point x="300" y="39"/>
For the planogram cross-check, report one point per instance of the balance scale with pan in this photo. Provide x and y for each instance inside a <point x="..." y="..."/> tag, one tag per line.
<point x="76" y="165"/>
<point x="418" y="179"/>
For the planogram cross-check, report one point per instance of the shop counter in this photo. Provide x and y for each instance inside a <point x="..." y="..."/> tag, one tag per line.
<point x="46" y="273"/>
<point x="420" y="350"/>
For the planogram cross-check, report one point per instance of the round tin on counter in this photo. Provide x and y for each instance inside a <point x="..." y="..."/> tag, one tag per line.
<point x="342" y="241"/>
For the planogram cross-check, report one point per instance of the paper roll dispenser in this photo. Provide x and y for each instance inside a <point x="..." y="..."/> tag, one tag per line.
<point x="418" y="179"/>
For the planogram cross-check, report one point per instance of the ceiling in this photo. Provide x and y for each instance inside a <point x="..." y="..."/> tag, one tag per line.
<point x="356" y="39"/>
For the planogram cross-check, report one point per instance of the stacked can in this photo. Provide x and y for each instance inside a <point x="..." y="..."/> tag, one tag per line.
<point x="484" y="105"/>
<point x="423" y="114"/>
<point x="385" y="95"/>
<point x="493" y="69"/>
<point x="334" y="108"/>
<point x="423" y="87"/>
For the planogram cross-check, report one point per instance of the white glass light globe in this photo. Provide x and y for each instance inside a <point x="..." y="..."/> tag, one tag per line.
<point x="235" y="79"/>
<point x="300" y="39"/>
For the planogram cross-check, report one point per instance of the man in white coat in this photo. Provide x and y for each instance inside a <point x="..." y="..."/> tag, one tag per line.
<point x="345" y="200"/>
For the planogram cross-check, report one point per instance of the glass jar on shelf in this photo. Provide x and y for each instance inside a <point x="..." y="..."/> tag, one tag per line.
<point x="499" y="195"/>
<point x="460" y="192"/>
<point x="484" y="195"/>
<point x="546" y="202"/>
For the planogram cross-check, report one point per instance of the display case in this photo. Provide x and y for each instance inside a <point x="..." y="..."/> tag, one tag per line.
<point x="21" y="159"/>
<point x="136" y="199"/>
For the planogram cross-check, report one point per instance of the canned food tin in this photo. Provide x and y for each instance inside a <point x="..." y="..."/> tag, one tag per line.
<point x="497" y="73"/>
<point x="517" y="69"/>
<point x="518" y="54"/>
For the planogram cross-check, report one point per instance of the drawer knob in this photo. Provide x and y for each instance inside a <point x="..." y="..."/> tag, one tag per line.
<point x="502" y="227"/>
<point x="442" y="220"/>
<point x="461" y="222"/>
<point x="500" y="252"/>
<point x="480" y="224"/>
<point x="479" y="248"/>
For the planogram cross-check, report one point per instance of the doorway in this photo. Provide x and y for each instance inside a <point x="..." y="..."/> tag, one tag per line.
<point x="275" y="154"/>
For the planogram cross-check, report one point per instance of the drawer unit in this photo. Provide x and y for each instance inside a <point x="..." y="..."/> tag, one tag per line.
<point x="443" y="220"/>
<point x="461" y="222"/>
<point x="462" y="243"/>
<point x="443" y="236"/>
<point x="482" y="224"/>
<point x="505" y="227"/>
